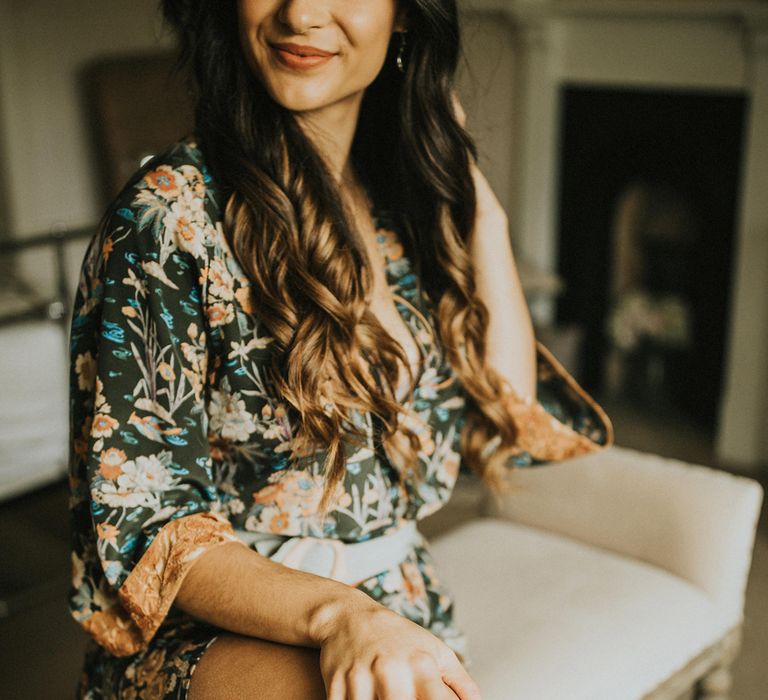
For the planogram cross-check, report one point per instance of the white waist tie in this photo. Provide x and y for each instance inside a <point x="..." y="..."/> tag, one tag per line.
<point x="348" y="562"/>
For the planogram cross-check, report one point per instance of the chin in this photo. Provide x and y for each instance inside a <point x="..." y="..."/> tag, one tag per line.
<point x="305" y="97"/>
<point x="300" y="103"/>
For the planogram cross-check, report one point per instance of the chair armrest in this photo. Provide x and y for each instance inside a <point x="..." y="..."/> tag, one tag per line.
<point x="693" y="521"/>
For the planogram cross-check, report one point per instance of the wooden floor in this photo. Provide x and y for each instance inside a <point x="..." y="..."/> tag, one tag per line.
<point x="40" y="645"/>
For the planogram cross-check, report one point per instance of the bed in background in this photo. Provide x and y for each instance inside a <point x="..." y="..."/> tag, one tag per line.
<point x="34" y="365"/>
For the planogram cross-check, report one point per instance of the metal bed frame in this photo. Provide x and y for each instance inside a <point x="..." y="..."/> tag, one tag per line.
<point x="52" y="309"/>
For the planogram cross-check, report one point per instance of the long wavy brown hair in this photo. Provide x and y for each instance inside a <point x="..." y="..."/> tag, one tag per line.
<point x="311" y="277"/>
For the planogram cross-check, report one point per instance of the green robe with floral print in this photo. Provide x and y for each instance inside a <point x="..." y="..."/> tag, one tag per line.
<point x="178" y="437"/>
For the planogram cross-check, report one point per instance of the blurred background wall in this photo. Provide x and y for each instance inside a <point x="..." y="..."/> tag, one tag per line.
<point x="681" y="81"/>
<point x="43" y="46"/>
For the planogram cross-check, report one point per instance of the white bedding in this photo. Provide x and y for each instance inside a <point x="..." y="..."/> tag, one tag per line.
<point x="34" y="409"/>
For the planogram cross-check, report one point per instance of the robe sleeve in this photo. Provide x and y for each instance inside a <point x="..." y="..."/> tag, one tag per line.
<point x="562" y="422"/>
<point x="144" y="501"/>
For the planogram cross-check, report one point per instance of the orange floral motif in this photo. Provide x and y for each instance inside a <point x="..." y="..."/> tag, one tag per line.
<point x="296" y="492"/>
<point x="111" y="463"/>
<point x="163" y="181"/>
<point x="414" y="581"/>
<point x="85" y="368"/>
<point x="103" y="425"/>
<point x="166" y="371"/>
<point x="398" y="441"/>
<point x="268" y="494"/>
<point x="185" y="228"/>
<point x="107" y="247"/>
<point x="390" y="243"/>
<point x="107" y="532"/>
<point x="243" y="296"/>
<point x="451" y="464"/>
<point x="220" y="314"/>
<point x="280" y="522"/>
<point x="221" y="282"/>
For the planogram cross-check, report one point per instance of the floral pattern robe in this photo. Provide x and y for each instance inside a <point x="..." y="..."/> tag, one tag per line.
<point x="178" y="437"/>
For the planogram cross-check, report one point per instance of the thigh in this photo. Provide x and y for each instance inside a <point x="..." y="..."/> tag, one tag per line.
<point x="236" y="667"/>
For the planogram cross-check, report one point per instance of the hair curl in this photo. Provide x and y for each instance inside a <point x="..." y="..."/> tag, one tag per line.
<point x="311" y="277"/>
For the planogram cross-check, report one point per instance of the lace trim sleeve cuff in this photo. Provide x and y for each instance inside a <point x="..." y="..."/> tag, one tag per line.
<point x="564" y="421"/>
<point x="148" y="593"/>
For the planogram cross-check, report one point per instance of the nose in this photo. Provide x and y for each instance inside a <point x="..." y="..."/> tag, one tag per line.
<point x="302" y="15"/>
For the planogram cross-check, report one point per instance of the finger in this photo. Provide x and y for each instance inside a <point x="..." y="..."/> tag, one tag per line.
<point x="337" y="689"/>
<point x="432" y="688"/>
<point x="393" y="680"/>
<point x="428" y="680"/>
<point x="360" y="684"/>
<point x="458" y="679"/>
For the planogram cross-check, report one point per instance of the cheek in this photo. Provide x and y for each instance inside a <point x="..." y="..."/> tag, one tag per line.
<point x="252" y="16"/>
<point x="369" y="34"/>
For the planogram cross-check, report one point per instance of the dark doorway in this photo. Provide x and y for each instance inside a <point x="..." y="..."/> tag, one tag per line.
<point x="681" y="152"/>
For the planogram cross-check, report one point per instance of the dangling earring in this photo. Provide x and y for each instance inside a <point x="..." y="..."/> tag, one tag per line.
<point x="400" y="51"/>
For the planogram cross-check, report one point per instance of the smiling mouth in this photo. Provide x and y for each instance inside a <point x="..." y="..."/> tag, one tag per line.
<point x="291" y="59"/>
<point x="301" y="49"/>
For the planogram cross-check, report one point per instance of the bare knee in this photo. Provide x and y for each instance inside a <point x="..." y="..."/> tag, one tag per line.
<point x="243" y="667"/>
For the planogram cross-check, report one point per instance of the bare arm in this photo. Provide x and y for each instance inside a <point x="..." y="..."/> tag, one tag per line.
<point x="511" y="340"/>
<point x="234" y="587"/>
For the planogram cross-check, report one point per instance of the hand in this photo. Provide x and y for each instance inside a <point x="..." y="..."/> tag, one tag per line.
<point x="374" y="653"/>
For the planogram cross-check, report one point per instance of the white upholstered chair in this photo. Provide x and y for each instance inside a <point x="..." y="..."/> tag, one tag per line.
<point x="617" y="575"/>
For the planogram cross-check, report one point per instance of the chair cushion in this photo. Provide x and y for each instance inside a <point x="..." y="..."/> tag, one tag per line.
<point x="552" y="618"/>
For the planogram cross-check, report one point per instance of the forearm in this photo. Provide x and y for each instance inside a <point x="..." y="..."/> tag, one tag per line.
<point x="511" y="339"/>
<point x="235" y="588"/>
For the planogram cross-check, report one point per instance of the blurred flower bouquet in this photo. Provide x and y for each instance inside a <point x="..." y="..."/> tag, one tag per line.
<point x="647" y="329"/>
<point x="639" y="318"/>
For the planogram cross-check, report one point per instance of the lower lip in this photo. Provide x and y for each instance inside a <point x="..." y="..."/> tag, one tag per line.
<point x="293" y="60"/>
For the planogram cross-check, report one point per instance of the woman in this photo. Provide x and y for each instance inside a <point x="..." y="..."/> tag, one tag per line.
<point x="280" y="342"/>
